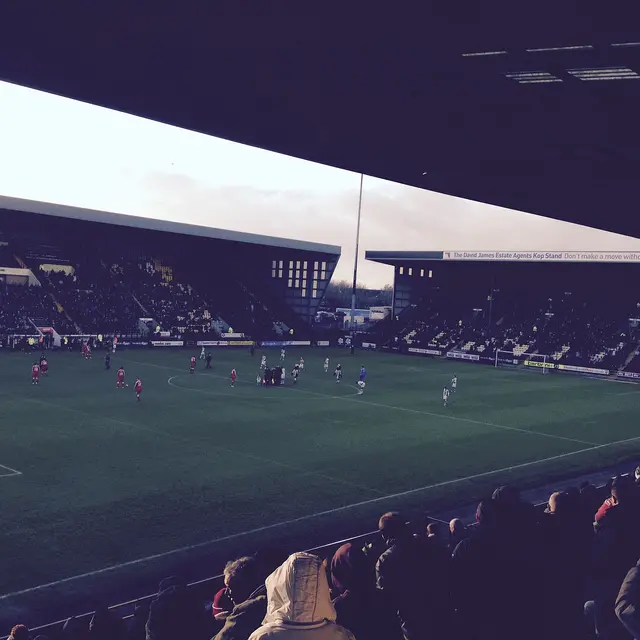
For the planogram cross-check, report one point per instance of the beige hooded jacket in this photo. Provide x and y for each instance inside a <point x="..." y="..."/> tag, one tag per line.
<point x="299" y="603"/>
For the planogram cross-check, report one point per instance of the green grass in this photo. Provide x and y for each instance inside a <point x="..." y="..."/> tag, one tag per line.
<point x="106" y="480"/>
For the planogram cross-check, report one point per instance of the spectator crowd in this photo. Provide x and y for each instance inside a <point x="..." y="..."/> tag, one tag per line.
<point x="21" y="304"/>
<point x="569" y="331"/>
<point x="571" y="571"/>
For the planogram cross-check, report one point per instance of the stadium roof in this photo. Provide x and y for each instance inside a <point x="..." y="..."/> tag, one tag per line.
<point x="90" y="215"/>
<point x="602" y="257"/>
<point x="531" y="108"/>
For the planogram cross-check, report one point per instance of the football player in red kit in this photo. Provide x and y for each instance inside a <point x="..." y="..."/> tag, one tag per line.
<point x="233" y="377"/>
<point x="138" y="388"/>
<point x="192" y="365"/>
<point x="84" y="349"/>
<point x="44" y="365"/>
<point x="35" y="373"/>
<point x="120" y="384"/>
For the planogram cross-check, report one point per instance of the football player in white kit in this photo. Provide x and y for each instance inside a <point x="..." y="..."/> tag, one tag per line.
<point x="202" y="354"/>
<point x="283" y="353"/>
<point x="445" y="395"/>
<point x="301" y="364"/>
<point x="454" y="383"/>
<point x="263" y="362"/>
<point x="326" y="365"/>
<point x="338" y="373"/>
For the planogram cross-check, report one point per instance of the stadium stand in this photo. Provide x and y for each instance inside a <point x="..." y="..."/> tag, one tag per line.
<point x="188" y="281"/>
<point x="582" y="318"/>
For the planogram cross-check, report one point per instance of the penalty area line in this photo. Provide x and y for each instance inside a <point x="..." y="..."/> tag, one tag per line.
<point x="309" y="517"/>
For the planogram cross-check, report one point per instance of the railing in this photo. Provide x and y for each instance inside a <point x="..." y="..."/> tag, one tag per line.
<point x="205" y="589"/>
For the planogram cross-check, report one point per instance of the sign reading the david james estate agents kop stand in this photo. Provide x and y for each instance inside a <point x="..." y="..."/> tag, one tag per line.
<point x="545" y="256"/>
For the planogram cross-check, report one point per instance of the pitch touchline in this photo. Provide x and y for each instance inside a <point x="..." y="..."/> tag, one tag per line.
<point x="311" y="516"/>
<point x="388" y="406"/>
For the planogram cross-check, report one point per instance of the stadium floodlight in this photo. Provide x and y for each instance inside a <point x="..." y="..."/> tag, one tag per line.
<point x="355" y="262"/>
<point x="575" y="47"/>
<point x="604" y="73"/>
<point x="479" y="54"/>
<point x="532" y="77"/>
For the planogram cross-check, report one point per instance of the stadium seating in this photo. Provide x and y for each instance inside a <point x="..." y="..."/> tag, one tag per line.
<point x="567" y="331"/>
<point x="23" y="307"/>
<point x="564" y="569"/>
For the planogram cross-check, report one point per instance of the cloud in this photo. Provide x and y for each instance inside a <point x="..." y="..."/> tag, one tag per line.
<point x="394" y="217"/>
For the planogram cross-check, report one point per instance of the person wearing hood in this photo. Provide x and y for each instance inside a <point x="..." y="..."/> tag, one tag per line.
<point x="299" y="603"/>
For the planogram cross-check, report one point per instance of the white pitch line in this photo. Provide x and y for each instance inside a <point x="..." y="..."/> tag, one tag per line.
<point x="235" y="395"/>
<point x="408" y="410"/>
<point x="471" y="421"/>
<point x="12" y="472"/>
<point x="302" y="472"/>
<point x="311" y="516"/>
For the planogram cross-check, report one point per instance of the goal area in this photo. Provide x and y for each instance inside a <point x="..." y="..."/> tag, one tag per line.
<point x="536" y="361"/>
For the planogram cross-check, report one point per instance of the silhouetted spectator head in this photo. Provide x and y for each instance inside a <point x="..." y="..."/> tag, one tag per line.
<point x="270" y="558"/>
<point x="486" y="513"/>
<point x="622" y="488"/>
<point x="588" y="492"/>
<point x="455" y="526"/>
<point x="506" y="495"/>
<point x="457" y="532"/>
<point x="433" y="530"/>
<point x="174" y="613"/>
<point x="609" y="485"/>
<point x="558" y="503"/>
<point x="242" y="577"/>
<point x="393" y="526"/>
<point x="19" y="632"/>
<point x="573" y="498"/>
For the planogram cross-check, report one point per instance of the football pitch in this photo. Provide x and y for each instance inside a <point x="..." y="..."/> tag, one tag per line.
<point x="91" y="480"/>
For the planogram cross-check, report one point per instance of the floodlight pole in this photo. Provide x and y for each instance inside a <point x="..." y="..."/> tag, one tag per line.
<point x="355" y="262"/>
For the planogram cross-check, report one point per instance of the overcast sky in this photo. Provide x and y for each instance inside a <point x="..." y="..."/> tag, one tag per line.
<point x="58" y="150"/>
